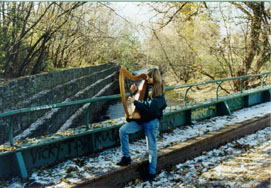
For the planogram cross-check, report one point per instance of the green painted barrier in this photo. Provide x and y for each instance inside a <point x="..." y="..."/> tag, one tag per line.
<point x="88" y="140"/>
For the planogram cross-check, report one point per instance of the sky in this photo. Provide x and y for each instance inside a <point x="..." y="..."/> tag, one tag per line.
<point x="132" y="11"/>
<point x="136" y="14"/>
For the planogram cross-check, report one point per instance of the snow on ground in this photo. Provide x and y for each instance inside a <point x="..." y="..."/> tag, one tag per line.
<point x="243" y="163"/>
<point x="78" y="169"/>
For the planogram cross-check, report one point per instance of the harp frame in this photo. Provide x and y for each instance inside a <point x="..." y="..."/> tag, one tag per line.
<point x="124" y="73"/>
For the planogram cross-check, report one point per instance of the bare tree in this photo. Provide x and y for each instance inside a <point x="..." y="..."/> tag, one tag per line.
<point x="246" y="52"/>
<point x="239" y="52"/>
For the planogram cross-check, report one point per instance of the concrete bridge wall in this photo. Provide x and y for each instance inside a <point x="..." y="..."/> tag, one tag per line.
<point x="51" y="88"/>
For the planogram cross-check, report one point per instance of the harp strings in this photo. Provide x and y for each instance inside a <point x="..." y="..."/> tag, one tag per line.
<point x="128" y="84"/>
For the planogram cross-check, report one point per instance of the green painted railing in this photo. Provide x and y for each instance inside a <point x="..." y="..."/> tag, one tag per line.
<point x="219" y="82"/>
<point x="90" y="100"/>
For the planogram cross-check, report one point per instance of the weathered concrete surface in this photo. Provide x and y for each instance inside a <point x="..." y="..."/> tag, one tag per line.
<point x="23" y="88"/>
<point x="179" y="153"/>
<point x="51" y="88"/>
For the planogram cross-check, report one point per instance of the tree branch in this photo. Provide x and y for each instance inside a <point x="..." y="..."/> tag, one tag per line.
<point x="172" y="17"/>
<point x="165" y="53"/>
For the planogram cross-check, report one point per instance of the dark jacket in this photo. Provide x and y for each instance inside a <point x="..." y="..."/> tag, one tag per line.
<point x="151" y="108"/>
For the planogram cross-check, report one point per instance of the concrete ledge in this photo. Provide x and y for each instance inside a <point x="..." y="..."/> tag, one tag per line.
<point x="179" y="153"/>
<point x="72" y="90"/>
<point x="22" y="88"/>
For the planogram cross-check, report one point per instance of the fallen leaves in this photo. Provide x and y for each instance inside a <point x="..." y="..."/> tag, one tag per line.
<point x="4" y="148"/>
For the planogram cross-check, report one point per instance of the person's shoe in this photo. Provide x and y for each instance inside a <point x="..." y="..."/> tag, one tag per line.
<point x="151" y="177"/>
<point x="125" y="161"/>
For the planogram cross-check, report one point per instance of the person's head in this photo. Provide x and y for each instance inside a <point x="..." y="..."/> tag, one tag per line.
<point x="154" y="78"/>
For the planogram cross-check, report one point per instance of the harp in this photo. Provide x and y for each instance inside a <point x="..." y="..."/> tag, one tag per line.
<point x="131" y="112"/>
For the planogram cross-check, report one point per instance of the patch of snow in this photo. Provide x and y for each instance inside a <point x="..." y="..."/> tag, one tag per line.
<point x="185" y="174"/>
<point x="68" y="123"/>
<point x="48" y="115"/>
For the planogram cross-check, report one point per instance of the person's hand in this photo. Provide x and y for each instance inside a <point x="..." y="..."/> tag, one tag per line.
<point x="133" y="88"/>
<point x="144" y="76"/>
<point x="131" y="99"/>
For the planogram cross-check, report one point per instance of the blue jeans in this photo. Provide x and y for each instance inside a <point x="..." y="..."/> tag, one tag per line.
<point x="150" y="129"/>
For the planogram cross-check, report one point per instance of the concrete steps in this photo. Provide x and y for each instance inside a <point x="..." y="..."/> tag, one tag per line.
<point x="88" y="84"/>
